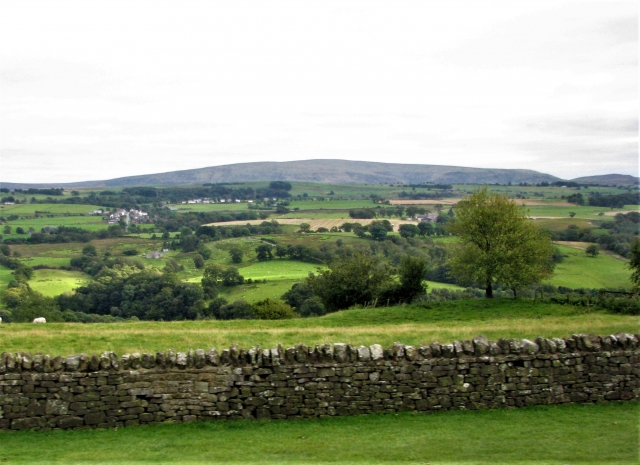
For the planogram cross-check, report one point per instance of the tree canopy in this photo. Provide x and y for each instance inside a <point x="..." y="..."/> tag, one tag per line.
<point x="498" y="244"/>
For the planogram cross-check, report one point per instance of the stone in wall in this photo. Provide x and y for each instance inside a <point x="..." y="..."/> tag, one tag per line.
<point x="99" y="391"/>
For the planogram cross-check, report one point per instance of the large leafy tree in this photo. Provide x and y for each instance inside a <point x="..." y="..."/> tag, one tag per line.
<point x="634" y="264"/>
<point x="498" y="244"/>
<point x="350" y="280"/>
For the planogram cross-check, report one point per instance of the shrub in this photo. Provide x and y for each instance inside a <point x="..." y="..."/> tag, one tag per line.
<point x="273" y="310"/>
<point x="312" y="307"/>
<point x="237" y="310"/>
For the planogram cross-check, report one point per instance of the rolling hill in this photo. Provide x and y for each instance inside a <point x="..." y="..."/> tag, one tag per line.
<point x="322" y="171"/>
<point x="609" y="179"/>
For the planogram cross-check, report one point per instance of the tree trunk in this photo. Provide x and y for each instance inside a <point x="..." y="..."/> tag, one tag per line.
<point x="489" y="290"/>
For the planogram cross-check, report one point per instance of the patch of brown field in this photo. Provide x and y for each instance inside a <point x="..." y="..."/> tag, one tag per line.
<point x="425" y="202"/>
<point x="614" y="213"/>
<point x="316" y="223"/>
<point x="539" y="203"/>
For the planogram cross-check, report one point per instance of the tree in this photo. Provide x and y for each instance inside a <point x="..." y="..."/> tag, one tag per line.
<point x="498" y="244"/>
<point x="572" y="214"/>
<point x="263" y="252"/>
<point x="212" y="273"/>
<point x="378" y="231"/>
<point x="634" y="264"/>
<point x="593" y="250"/>
<point x="425" y="229"/>
<point x="7" y="229"/>
<point x="236" y="254"/>
<point x="231" y="277"/>
<point x="198" y="261"/>
<point x="305" y="227"/>
<point x="408" y="230"/>
<point x="350" y="280"/>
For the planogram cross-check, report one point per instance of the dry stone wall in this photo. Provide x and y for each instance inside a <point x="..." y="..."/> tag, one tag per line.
<point x="82" y="391"/>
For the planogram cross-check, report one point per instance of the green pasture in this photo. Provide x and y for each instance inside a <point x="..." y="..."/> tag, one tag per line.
<point x="560" y="224"/>
<point x="578" y="270"/>
<point x="84" y="222"/>
<point x="316" y="215"/>
<point x="6" y="275"/>
<point x="436" y="285"/>
<point x="549" y="435"/>
<point x="332" y="204"/>
<point x="273" y="270"/>
<point x="412" y="324"/>
<point x="49" y="208"/>
<point x="258" y="291"/>
<point x="56" y="282"/>
<point x="581" y="212"/>
<point x="209" y="207"/>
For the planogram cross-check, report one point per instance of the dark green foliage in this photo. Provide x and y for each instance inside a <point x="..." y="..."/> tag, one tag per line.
<point x="212" y="275"/>
<point x="25" y="304"/>
<point x="425" y="229"/>
<point x="205" y="253"/>
<point x="130" y="252"/>
<point x="264" y="252"/>
<point x="172" y="266"/>
<point x="237" y="310"/>
<point x="634" y="264"/>
<point x="90" y="250"/>
<point x="236" y="255"/>
<point x="198" y="261"/>
<point x="592" y="250"/>
<point x="189" y="243"/>
<point x="231" y="277"/>
<point x="269" y="309"/>
<point x="147" y="295"/>
<point x="298" y="293"/>
<point x="280" y="185"/>
<point x="312" y="307"/>
<point x="350" y="280"/>
<point x="408" y="230"/>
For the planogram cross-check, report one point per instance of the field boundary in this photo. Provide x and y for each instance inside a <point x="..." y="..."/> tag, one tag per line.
<point x="99" y="391"/>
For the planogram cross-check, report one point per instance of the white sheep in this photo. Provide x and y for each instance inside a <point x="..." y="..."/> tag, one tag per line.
<point x="39" y="320"/>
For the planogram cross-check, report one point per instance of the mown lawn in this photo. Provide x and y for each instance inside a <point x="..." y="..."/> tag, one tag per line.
<point x="415" y="325"/>
<point x="567" y="434"/>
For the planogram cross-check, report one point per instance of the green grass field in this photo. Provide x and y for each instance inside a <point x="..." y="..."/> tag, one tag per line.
<point x="549" y="435"/>
<point x="581" y="212"/>
<point x="581" y="271"/>
<point x="56" y="282"/>
<point x="51" y="208"/>
<point x="414" y="325"/>
<point x="279" y="270"/>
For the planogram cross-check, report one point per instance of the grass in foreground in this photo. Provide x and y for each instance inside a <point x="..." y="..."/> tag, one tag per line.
<point x="444" y="322"/>
<point x="568" y="434"/>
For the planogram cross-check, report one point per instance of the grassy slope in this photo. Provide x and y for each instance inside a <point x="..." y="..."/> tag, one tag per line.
<point x="580" y="271"/>
<point x="56" y="282"/>
<point x="444" y="322"/>
<point x="564" y="434"/>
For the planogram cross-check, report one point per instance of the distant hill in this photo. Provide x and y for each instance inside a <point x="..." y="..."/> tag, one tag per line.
<point x="609" y="179"/>
<point x="322" y="171"/>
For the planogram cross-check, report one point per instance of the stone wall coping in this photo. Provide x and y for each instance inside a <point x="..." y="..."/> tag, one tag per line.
<point x="301" y="354"/>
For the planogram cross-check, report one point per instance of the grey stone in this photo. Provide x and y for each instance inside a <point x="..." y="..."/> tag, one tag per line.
<point x="364" y="354"/>
<point x="376" y="352"/>
<point x="480" y="345"/>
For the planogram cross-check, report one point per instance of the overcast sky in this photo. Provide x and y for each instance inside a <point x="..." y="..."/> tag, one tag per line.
<point x="98" y="90"/>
